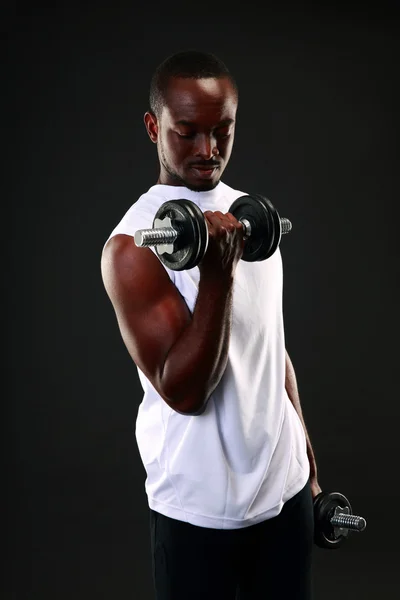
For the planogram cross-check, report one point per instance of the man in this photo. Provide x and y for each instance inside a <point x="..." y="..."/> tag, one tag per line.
<point x="230" y="469"/>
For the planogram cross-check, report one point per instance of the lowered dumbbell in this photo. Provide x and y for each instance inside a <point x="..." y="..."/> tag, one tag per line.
<point x="180" y="232"/>
<point x="333" y="520"/>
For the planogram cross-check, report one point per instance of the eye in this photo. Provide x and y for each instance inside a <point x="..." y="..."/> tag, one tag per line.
<point x="222" y="134"/>
<point x="185" y="135"/>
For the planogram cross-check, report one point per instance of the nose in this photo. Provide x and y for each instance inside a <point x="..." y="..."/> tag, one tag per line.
<point x="206" y="146"/>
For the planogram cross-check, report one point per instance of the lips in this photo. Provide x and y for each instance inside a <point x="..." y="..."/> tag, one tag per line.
<point x="204" y="171"/>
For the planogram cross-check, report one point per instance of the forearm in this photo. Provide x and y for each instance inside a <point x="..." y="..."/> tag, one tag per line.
<point x="293" y="393"/>
<point x="196" y="362"/>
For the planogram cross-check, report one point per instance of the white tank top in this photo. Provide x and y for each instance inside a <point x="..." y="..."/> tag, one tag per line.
<point x="245" y="456"/>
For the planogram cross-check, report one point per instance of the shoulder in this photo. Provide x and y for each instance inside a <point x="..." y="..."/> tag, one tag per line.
<point x="139" y="215"/>
<point x="120" y="253"/>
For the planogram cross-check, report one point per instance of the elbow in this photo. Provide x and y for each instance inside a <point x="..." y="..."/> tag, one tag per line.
<point x="187" y="404"/>
<point x="194" y="411"/>
<point x="184" y="397"/>
<point x="189" y="407"/>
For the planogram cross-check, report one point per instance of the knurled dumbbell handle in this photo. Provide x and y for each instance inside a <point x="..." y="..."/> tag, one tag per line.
<point x="167" y="235"/>
<point x="345" y="521"/>
<point x="156" y="236"/>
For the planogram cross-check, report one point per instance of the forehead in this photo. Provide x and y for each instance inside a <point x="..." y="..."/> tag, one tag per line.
<point x="199" y="100"/>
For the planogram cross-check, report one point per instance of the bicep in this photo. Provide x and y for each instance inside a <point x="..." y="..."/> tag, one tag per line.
<point x="151" y="313"/>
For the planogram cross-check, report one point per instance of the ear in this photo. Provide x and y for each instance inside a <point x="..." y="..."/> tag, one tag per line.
<point x="151" y="123"/>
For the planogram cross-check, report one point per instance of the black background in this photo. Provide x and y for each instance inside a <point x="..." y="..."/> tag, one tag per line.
<point x="318" y="134"/>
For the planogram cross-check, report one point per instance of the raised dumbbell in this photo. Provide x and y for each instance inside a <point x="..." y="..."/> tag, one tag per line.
<point x="333" y="520"/>
<point x="180" y="232"/>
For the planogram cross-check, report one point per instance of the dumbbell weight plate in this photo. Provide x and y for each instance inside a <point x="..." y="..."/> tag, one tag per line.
<point x="190" y="247"/>
<point x="324" y="506"/>
<point x="265" y="226"/>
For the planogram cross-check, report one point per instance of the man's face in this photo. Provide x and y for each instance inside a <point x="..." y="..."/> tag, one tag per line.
<point x="195" y="132"/>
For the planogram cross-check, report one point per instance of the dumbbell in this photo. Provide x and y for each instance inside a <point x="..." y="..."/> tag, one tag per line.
<point x="333" y="520"/>
<point x="180" y="232"/>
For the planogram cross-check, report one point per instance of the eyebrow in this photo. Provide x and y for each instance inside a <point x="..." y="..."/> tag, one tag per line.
<point x="190" y="123"/>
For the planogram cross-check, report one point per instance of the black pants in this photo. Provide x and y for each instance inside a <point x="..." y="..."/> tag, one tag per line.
<point x="271" y="560"/>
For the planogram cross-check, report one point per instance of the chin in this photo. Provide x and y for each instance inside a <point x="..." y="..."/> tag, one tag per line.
<point x="202" y="186"/>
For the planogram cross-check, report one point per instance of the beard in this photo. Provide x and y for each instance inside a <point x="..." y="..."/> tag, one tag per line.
<point x="178" y="180"/>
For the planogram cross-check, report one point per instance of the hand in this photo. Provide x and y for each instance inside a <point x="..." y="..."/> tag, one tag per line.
<point x="225" y="243"/>
<point x="315" y="487"/>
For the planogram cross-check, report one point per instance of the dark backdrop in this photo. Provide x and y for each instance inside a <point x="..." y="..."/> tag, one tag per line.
<point x="318" y="134"/>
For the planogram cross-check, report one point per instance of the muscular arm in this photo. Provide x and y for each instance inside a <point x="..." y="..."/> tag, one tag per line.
<point x="197" y="360"/>
<point x="183" y="355"/>
<point x="293" y="393"/>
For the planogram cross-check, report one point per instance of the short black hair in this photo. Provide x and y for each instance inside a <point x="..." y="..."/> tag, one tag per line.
<point x="189" y="64"/>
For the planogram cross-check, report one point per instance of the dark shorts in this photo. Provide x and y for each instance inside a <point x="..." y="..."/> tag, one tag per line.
<point x="271" y="560"/>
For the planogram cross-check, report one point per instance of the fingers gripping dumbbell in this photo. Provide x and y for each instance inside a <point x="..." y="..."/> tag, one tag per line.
<point x="333" y="520"/>
<point x="180" y="232"/>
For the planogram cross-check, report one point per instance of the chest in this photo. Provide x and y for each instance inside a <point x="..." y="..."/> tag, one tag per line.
<point x="257" y="291"/>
